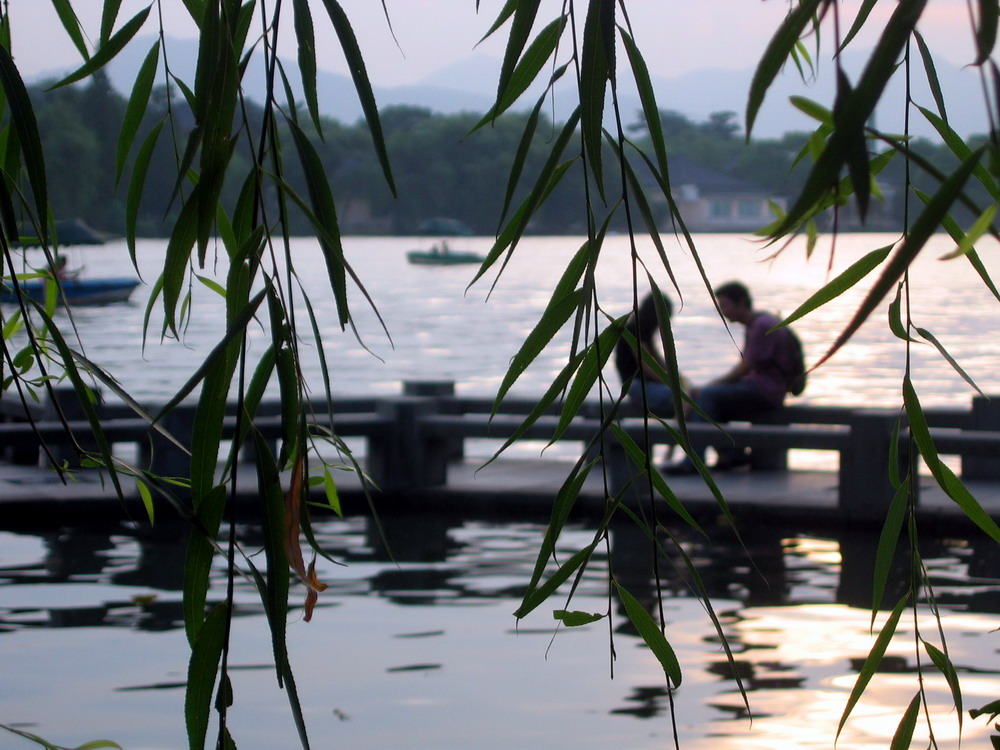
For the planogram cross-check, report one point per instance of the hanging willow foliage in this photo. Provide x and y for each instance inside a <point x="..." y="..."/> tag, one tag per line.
<point x="590" y="42"/>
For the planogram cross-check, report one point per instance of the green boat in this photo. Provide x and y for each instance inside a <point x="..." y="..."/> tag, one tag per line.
<point x="441" y="255"/>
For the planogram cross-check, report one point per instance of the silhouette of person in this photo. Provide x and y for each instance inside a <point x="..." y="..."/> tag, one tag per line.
<point x="756" y="384"/>
<point x="645" y="327"/>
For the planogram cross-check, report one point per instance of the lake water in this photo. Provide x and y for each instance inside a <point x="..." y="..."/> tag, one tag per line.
<point x="441" y="331"/>
<point x="423" y="652"/>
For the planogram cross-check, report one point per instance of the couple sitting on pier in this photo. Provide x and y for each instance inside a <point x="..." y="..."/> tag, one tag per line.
<point x="757" y="384"/>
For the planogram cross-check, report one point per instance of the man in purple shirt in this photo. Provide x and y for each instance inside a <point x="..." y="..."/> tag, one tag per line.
<point x="756" y="384"/>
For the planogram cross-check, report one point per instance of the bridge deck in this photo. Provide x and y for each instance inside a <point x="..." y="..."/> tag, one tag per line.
<point x="515" y="488"/>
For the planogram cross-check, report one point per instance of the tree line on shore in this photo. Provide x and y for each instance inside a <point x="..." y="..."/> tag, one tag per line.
<point x="440" y="169"/>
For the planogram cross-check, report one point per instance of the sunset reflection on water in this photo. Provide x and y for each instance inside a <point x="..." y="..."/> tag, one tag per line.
<point x="401" y="648"/>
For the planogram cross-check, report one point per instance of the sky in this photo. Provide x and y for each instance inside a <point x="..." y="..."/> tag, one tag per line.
<point x="676" y="36"/>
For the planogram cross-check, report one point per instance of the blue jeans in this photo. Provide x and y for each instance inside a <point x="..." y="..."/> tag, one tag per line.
<point x="723" y="402"/>
<point x="659" y="397"/>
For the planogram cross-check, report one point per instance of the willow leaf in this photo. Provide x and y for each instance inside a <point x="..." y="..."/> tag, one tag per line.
<point x="576" y="619"/>
<point x="512" y="233"/>
<point x="974" y="233"/>
<point x="84" y="396"/>
<point x="702" y="592"/>
<point x="549" y="176"/>
<point x="965" y="500"/>
<point x="332" y="496"/>
<point x="306" y="38"/>
<point x="853" y="112"/>
<point x="958" y="234"/>
<point x="218" y="88"/>
<point x="147" y="500"/>
<point x="71" y="24"/>
<point x="815" y="110"/>
<point x="113" y="386"/>
<point x="536" y="596"/>
<point x="961" y="149"/>
<point x="274" y="595"/>
<point x="206" y="433"/>
<point x="903" y="736"/>
<point x="663" y="181"/>
<point x="778" y="49"/>
<point x="859" y="21"/>
<point x="928" y="336"/>
<point x="291" y="416"/>
<point x="639" y="457"/>
<point x="873" y="661"/>
<point x="175" y="265"/>
<point x="557" y="312"/>
<point x="919" y="428"/>
<point x="855" y="149"/>
<point x="520" y="156"/>
<point x="887" y="543"/>
<point x="22" y="116"/>
<point x="944" y="476"/>
<point x="524" y="13"/>
<point x="198" y="561"/>
<point x="554" y="391"/>
<point x="508" y="9"/>
<point x="641" y="203"/>
<point x="595" y="357"/>
<point x="108" y="49"/>
<point x="651" y="634"/>
<point x="986" y="30"/>
<point x="932" y="77"/>
<point x="108" y="18"/>
<point x="844" y="281"/>
<point x="359" y="74"/>
<point x="296" y="706"/>
<point x="236" y="328"/>
<point x="946" y="668"/>
<point x="528" y="67"/>
<point x="895" y="315"/>
<point x="921" y="230"/>
<point x="992" y="709"/>
<point x="254" y="395"/>
<point x="595" y="70"/>
<point x="650" y="112"/>
<point x="135" y="109"/>
<point x="321" y="198"/>
<point x="565" y="499"/>
<point x="203" y="667"/>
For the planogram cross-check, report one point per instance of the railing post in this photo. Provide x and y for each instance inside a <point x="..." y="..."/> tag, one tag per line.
<point x="66" y="399"/>
<point x="428" y="388"/>
<point x="985" y="416"/>
<point x="405" y="459"/>
<point x="25" y="452"/>
<point x="865" y="489"/>
<point x="162" y="456"/>
<point x="443" y="391"/>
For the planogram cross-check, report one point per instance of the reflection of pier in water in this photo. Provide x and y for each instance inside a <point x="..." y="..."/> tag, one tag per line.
<point x="425" y="559"/>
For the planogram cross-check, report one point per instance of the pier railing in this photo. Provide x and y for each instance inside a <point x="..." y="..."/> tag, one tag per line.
<point x="412" y="438"/>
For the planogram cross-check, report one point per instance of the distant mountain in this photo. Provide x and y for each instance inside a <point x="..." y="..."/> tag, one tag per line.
<point x="469" y="85"/>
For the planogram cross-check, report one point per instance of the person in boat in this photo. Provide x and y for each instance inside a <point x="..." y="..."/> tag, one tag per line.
<point x="637" y="374"/>
<point x="755" y="385"/>
<point x="62" y="269"/>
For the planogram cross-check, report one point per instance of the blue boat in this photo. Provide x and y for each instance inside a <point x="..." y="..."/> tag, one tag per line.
<point x="77" y="291"/>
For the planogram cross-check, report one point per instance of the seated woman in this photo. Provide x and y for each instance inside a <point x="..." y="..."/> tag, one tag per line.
<point x="645" y="329"/>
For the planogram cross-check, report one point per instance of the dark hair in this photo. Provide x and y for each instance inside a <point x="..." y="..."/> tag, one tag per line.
<point x="643" y="327"/>
<point x="736" y="292"/>
<point x="647" y="320"/>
